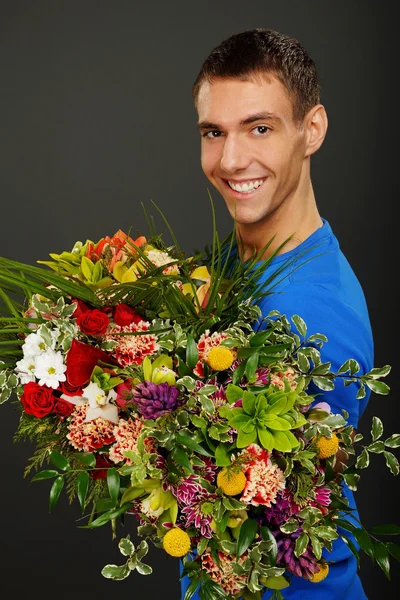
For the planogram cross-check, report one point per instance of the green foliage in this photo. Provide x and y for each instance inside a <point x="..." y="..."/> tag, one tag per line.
<point x="134" y="561"/>
<point x="265" y="419"/>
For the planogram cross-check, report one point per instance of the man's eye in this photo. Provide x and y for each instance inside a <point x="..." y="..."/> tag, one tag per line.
<point x="212" y="134"/>
<point x="261" y="130"/>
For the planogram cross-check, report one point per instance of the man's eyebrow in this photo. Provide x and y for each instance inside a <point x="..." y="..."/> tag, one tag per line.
<point x="262" y="116"/>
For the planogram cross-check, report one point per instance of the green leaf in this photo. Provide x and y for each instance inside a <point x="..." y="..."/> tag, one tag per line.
<point x="113" y="483"/>
<point x="115" y="572"/>
<point x="59" y="460"/>
<point x="377" y="428"/>
<point x="361" y="392"/>
<point x="387" y="529"/>
<point x="202" y="545"/>
<point x="377" y="386"/>
<point x="326" y="533"/>
<point x="126" y="547"/>
<point x="275" y="583"/>
<point x="181" y="458"/>
<point x="394" y="550"/>
<point x="107" y="516"/>
<point x="187" y="441"/>
<point x="392" y="463"/>
<point x="323" y="383"/>
<point x="234" y="393"/>
<point x="351" y="479"/>
<point x="191" y="589"/>
<point x="393" y="441"/>
<point x="260" y="338"/>
<point x="301" y="544"/>
<point x="87" y="267"/>
<point x="55" y="492"/>
<point x="304" y="363"/>
<point x="365" y="541"/>
<point x="222" y="458"/>
<point x="380" y="372"/>
<point x="249" y="402"/>
<point x="281" y="441"/>
<point x="290" y="526"/>
<point x="316" y="546"/>
<point x="82" y="484"/>
<point x="42" y="475"/>
<point x="352" y="547"/>
<point x="266" y="438"/>
<point x="300" y="324"/>
<point x="363" y="460"/>
<point x="245" y="439"/>
<point x="247" y="534"/>
<point x="207" y="404"/>
<point x="143" y="569"/>
<point x="238" y="373"/>
<point x="377" y="447"/>
<point x="192" y="353"/>
<point x="251" y="366"/>
<point x="382" y="557"/>
<point x="87" y="458"/>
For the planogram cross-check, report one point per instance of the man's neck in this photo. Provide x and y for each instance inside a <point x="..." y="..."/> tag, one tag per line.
<point x="292" y="219"/>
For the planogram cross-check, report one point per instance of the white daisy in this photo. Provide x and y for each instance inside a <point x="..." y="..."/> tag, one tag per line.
<point x="25" y="369"/>
<point x="33" y="345"/>
<point x="50" y="368"/>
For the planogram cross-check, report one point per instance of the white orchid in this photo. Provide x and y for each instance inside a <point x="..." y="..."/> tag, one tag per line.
<point x="98" y="401"/>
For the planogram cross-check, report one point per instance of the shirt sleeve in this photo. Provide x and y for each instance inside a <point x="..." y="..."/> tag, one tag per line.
<point x="324" y="312"/>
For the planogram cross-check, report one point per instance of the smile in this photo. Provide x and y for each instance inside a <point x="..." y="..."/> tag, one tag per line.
<point x="246" y="187"/>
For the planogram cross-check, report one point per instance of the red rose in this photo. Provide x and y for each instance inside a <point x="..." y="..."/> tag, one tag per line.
<point x="62" y="408"/>
<point x="37" y="400"/>
<point x="69" y="390"/>
<point x="80" y="309"/>
<point x="81" y="360"/>
<point x="101" y="461"/>
<point x="93" y="322"/>
<point x="125" y="315"/>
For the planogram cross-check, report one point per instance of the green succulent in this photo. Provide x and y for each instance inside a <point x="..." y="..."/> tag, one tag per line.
<point x="266" y="418"/>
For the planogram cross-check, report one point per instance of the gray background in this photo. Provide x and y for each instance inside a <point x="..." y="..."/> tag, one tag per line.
<point x="97" y="117"/>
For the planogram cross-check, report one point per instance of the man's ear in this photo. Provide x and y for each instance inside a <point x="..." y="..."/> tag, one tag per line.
<point x="316" y="126"/>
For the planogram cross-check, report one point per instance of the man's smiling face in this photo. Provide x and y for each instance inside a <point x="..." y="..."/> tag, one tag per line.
<point x="251" y="150"/>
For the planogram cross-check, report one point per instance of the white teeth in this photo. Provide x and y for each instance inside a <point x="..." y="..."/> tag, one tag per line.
<point x="245" y="188"/>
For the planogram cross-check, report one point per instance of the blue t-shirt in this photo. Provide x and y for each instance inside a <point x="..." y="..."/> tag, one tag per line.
<point x="321" y="287"/>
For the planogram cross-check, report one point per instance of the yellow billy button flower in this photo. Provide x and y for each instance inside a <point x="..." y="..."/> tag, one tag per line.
<point x="327" y="446"/>
<point x="220" y="358"/>
<point x="321" y="574"/>
<point x="231" y="482"/>
<point x="176" y="542"/>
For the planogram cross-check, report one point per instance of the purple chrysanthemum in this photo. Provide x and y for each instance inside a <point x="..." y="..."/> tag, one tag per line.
<point x="277" y="514"/>
<point x="153" y="400"/>
<point x="305" y="565"/>
<point x="195" y="515"/>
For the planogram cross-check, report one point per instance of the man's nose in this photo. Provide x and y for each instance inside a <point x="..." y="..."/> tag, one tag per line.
<point x="234" y="155"/>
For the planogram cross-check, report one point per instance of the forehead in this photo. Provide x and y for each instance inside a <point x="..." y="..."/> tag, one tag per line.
<point x="229" y="101"/>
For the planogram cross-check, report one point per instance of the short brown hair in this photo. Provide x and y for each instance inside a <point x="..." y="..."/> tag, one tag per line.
<point x="261" y="51"/>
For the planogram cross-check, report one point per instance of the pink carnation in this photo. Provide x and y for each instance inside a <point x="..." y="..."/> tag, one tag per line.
<point x="264" y="478"/>
<point x="89" y="436"/>
<point x="223" y="573"/>
<point x="126" y="434"/>
<point x="278" y="378"/>
<point x="132" y="349"/>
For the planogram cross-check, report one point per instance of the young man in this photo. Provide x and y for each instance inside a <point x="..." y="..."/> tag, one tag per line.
<point x="261" y="120"/>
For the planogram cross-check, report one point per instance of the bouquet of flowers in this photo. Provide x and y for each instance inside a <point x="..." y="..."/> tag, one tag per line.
<point x="162" y="399"/>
